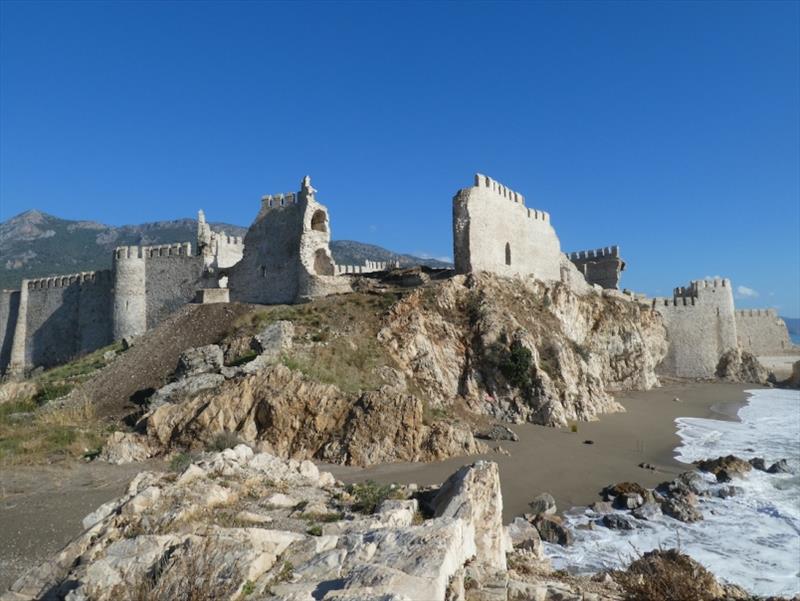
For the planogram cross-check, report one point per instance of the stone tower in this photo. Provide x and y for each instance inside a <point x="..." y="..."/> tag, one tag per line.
<point x="130" y="301"/>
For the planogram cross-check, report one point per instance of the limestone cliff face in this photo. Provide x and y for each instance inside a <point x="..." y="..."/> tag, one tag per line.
<point x="521" y="350"/>
<point x="295" y="417"/>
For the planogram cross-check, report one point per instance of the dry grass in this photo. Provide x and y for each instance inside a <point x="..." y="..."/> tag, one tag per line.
<point x="193" y="572"/>
<point x="335" y="338"/>
<point x="30" y="434"/>
<point x="667" y="576"/>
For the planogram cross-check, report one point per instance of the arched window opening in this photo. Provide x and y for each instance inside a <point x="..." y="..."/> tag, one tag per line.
<point x="322" y="263"/>
<point x="319" y="221"/>
<point x="508" y="253"/>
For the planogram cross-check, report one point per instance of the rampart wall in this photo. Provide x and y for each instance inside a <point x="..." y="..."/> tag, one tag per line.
<point x="701" y="326"/>
<point x="64" y="317"/>
<point x="602" y="266"/>
<point x="367" y="267"/>
<point x="9" y="310"/>
<point x="172" y="278"/>
<point x="494" y="231"/>
<point x="762" y="332"/>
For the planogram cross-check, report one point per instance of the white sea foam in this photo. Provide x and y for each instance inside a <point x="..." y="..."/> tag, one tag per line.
<point x="751" y="539"/>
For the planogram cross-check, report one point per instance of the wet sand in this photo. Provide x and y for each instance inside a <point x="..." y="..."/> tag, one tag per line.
<point x="559" y="462"/>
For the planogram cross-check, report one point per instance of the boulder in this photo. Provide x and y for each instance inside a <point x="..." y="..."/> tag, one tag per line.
<point x="780" y="467"/>
<point x="499" y="432"/>
<point x="648" y="511"/>
<point x="623" y="488"/>
<point x="602" y="507"/>
<point x="758" y="463"/>
<point x="725" y="468"/>
<point x="737" y="365"/>
<point x="543" y="504"/>
<point x="616" y="521"/>
<point x="199" y="360"/>
<point x="473" y="495"/>
<point x="681" y="509"/>
<point x="552" y="530"/>
<point x="525" y="536"/>
<point x="126" y="447"/>
<point x="274" y="339"/>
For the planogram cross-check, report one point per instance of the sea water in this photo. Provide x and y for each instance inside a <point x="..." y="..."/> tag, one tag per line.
<point x="751" y="539"/>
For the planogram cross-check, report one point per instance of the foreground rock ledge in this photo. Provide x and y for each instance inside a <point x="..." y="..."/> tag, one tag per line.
<point x="238" y="525"/>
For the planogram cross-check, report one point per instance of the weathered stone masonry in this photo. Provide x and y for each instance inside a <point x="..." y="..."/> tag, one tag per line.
<point x="762" y="332"/>
<point x="700" y="326"/>
<point x="494" y="231"/>
<point x="287" y="257"/>
<point x="601" y="266"/>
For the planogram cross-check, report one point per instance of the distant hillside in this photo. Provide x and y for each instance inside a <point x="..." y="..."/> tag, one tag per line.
<point x="35" y="244"/>
<point x="792" y="324"/>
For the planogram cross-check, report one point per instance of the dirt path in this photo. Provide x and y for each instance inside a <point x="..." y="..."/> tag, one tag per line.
<point x="42" y="507"/>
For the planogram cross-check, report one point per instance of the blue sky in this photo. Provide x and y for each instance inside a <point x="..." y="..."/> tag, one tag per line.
<point x="671" y="129"/>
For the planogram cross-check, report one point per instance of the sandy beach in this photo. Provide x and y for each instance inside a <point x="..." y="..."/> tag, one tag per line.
<point x="559" y="462"/>
<point x="41" y="508"/>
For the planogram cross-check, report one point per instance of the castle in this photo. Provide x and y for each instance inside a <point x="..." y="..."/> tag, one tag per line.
<point x="285" y="258"/>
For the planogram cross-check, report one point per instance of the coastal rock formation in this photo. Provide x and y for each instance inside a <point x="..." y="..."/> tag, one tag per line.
<point x="208" y="531"/>
<point x="737" y="365"/>
<point x="295" y="417"/>
<point x="521" y="350"/>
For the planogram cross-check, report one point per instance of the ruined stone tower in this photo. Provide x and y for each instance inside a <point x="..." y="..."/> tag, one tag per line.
<point x="286" y="254"/>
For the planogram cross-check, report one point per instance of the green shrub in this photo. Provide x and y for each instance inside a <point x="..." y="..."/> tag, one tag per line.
<point x="224" y="440"/>
<point x="314" y="530"/>
<point x="243" y="358"/>
<point x="180" y="462"/>
<point x="515" y="365"/>
<point x="369" y="495"/>
<point x="52" y="391"/>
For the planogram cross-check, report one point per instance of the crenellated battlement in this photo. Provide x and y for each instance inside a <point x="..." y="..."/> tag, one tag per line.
<point x="597" y="253"/>
<point x="486" y="182"/>
<point x="63" y="281"/>
<point x="183" y="249"/>
<point x="367" y="267"/>
<point x="279" y="200"/>
<point x="756" y="313"/>
<point x="696" y="288"/>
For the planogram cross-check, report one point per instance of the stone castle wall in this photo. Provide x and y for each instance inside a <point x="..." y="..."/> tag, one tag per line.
<point x="700" y="327"/>
<point x="9" y="310"/>
<point x="494" y="231"/>
<point x="762" y="332"/>
<point x="172" y="277"/>
<point x="601" y="266"/>
<point x="61" y="317"/>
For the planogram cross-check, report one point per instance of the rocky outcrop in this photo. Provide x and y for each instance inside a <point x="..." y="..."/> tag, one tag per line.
<point x="521" y="350"/>
<point x="214" y="531"/>
<point x="737" y="365"/>
<point x="293" y="416"/>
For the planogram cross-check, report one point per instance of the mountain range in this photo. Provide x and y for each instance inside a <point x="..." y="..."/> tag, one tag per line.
<point x="36" y="244"/>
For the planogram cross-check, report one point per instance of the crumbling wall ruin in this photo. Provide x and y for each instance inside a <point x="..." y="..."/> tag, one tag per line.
<point x="286" y="252"/>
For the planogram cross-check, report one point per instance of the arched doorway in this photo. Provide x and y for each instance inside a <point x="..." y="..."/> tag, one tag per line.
<point x="322" y="263"/>
<point x="319" y="221"/>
